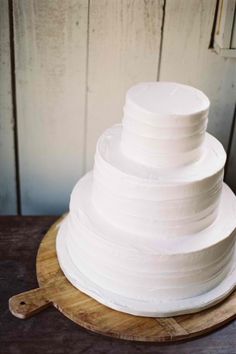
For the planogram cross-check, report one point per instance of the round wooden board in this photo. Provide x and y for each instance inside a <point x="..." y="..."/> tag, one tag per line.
<point x="88" y="313"/>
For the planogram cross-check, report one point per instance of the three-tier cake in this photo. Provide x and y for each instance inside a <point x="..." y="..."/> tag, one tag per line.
<point x="151" y="229"/>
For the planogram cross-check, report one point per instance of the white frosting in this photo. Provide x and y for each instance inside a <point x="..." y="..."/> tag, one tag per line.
<point x="164" y="123"/>
<point x="156" y="308"/>
<point x="152" y="225"/>
<point x="146" y="268"/>
<point x="160" y="202"/>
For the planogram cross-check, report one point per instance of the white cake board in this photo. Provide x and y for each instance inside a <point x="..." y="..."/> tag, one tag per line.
<point x="159" y="308"/>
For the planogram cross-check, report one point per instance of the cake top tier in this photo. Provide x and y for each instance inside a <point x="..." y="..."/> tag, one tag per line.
<point x="164" y="124"/>
<point x="160" y="100"/>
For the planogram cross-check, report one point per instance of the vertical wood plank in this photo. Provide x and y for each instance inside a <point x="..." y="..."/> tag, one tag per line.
<point x="50" y="47"/>
<point x="230" y="176"/>
<point x="124" y="42"/>
<point x="187" y="59"/>
<point x="7" y="156"/>
<point x="233" y="39"/>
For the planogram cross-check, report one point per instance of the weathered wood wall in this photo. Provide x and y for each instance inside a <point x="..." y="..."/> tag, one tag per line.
<point x="8" y="200"/>
<point x="72" y="62"/>
<point x="123" y="49"/>
<point x="186" y="58"/>
<point x="50" y="64"/>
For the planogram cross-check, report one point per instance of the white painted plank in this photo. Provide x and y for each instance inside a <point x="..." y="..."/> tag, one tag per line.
<point x="124" y="42"/>
<point x="50" y="46"/>
<point x="187" y="59"/>
<point x="7" y="156"/>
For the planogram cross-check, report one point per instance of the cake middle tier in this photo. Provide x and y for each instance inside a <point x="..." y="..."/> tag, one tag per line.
<point x="151" y="201"/>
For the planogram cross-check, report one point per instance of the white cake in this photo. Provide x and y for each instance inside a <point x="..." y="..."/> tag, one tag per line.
<point x="151" y="229"/>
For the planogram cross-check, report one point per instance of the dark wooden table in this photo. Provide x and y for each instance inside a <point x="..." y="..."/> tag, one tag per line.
<point x="51" y="332"/>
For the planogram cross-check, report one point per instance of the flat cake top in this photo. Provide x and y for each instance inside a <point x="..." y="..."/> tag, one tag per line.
<point x="163" y="99"/>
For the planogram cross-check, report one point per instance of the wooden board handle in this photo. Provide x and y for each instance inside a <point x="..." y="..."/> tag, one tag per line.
<point x="29" y="303"/>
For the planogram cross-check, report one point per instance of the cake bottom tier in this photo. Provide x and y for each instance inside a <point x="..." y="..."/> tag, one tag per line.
<point x="147" y="276"/>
